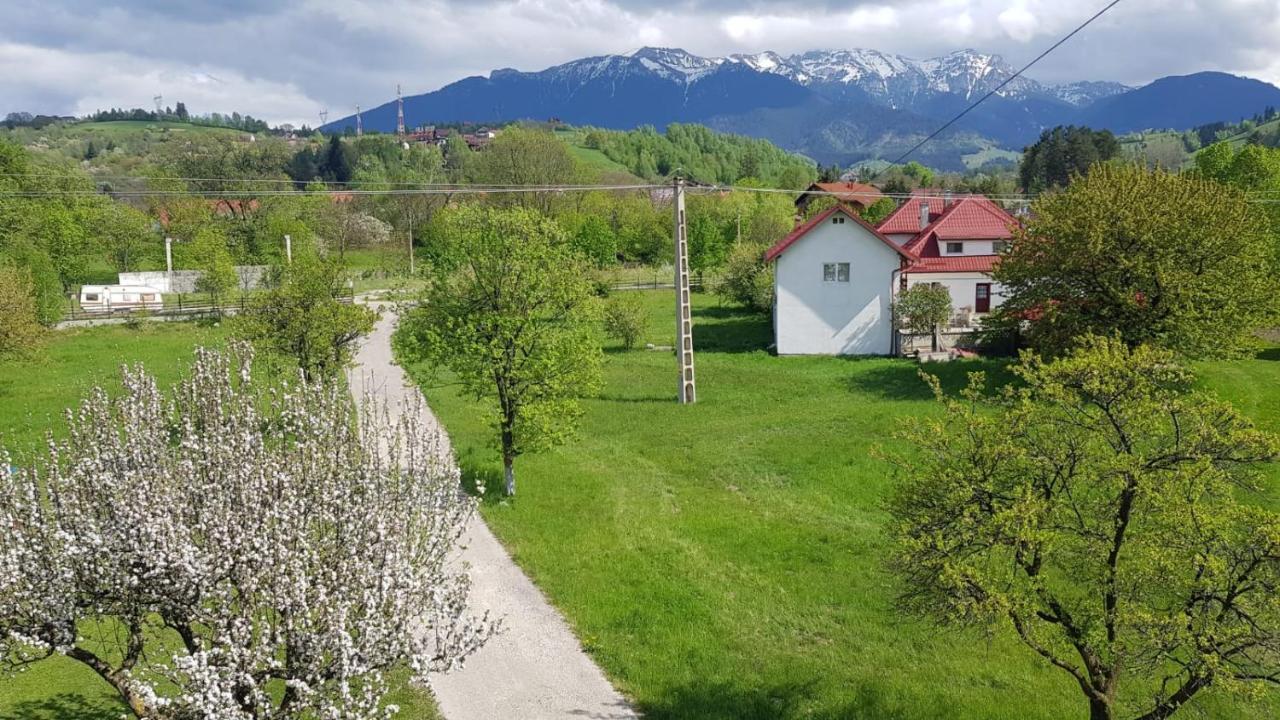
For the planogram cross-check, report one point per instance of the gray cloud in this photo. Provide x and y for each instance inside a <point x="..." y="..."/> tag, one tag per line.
<point x="286" y="59"/>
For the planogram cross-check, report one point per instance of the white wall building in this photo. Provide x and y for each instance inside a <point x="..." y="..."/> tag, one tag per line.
<point x="834" y="280"/>
<point x="835" y="276"/>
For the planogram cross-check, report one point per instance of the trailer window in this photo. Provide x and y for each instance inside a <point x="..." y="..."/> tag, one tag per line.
<point x="91" y="297"/>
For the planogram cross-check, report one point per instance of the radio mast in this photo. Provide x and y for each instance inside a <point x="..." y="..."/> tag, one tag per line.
<point x="399" y="113"/>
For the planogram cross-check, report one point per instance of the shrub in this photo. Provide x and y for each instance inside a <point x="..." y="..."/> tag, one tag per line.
<point x="747" y="279"/>
<point x="624" y="318"/>
<point x="20" y="328"/>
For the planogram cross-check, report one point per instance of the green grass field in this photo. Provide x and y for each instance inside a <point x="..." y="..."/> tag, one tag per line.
<point x="724" y="560"/>
<point x="34" y="392"/>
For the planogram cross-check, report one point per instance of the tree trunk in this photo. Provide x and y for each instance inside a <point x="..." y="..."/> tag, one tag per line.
<point x="509" y="473"/>
<point x="1100" y="709"/>
<point x="934" y="338"/>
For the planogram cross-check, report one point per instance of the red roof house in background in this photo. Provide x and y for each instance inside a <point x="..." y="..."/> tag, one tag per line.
<point x="859" y="195"/>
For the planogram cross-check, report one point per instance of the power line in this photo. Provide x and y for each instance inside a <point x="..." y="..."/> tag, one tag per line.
<point x="464" y="190"/>
<point x="998" y="88"/>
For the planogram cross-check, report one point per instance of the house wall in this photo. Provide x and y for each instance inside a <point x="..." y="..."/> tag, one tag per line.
<point x="962" y="286"/>
<point x="900" y="238"/>
<point x="813" y="317"/>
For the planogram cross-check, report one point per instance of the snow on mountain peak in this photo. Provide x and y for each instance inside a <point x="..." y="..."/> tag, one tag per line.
<point x="895" y="79"/>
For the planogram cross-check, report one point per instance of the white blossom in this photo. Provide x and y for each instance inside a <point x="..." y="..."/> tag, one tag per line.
<point x="286" y="540"/>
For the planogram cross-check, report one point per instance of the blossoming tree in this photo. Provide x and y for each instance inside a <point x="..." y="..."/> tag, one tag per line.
<point x="231" y="550"/>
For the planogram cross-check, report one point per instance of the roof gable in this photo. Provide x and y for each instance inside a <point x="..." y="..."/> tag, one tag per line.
<point x="781" y="246"/>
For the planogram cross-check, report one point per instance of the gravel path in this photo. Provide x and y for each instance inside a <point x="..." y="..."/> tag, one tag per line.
<point x="536" y="668"/>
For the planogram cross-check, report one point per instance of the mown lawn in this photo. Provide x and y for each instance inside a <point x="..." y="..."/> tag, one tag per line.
<point x="724" y="560"/>
<point x="33" y="394"/>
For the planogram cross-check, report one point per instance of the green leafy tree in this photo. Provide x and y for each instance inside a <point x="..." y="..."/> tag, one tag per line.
<point x="595" y="241"/>
<point x="625" y="319"/>
<point x="923" y="308"/>
<point x="210" y="256"/>
<point x="1148" y="256"/>
<point x="301" y="317"/>
<point x="878" y="210"/>
<point x="747" y="279"/>
<point x="516" y="322"/>
<point x="20" y="328"/>
<point x="1063" y="152"/>
<point x="1107" y="515"/>
<point x="525" y="156"/>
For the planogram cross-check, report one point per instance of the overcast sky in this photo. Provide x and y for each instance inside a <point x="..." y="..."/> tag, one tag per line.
<point x="285" y="60"/>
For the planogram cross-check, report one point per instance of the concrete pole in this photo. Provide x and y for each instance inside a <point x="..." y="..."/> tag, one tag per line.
<point x="684" y="315"/>
<point x="288" y="250"/>
<point x="168" y="254"/>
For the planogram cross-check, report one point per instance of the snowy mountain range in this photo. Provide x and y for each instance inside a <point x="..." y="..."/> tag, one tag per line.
<point x="834" y="105"/>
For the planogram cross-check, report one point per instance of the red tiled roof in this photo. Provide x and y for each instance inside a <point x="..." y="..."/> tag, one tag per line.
<point x="906" y="218"/>
<point x="954" y="263"/>
<point x="772" y="253"/>
<point x="860" y="193"/>
<point x="971" y="217"/>
<point x="974" y="218"/>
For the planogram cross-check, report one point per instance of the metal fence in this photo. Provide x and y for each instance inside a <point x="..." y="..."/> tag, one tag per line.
<point x="183" y="309"/>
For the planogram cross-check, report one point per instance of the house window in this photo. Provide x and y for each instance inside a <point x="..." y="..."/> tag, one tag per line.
<point x="835" y="272"/>
<point x="955" y="248"/>
<point x="999" y="246"/>
<point x="837" y="220"/>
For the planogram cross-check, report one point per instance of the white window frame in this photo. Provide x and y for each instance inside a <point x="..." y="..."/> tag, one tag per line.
<point x="835" y="272"/>
<point x="955" y="248"/>
<point x="999" y="246"/>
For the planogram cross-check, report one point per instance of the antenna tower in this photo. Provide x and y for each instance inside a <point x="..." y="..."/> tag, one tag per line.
<point x="399" y="113"/>
<point x="324" y="117"/>
<point x="159" y="99"/>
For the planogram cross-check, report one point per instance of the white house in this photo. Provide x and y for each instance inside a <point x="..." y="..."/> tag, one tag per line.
<point x="835" y="276"/>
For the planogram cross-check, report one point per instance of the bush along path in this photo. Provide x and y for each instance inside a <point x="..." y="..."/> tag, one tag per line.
<point x="535" y="668"/>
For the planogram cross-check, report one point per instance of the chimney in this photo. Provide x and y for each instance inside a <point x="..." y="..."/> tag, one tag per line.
<point x="946" y="199"/>
<point x="924" y="215"/>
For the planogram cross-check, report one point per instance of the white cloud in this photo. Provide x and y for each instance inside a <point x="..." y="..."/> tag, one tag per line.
<point x="1019" y="22"/>
<point x="126" y="81"/>
<point x="285" y="59"/>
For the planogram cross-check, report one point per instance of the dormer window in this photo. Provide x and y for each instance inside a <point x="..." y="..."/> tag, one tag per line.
<point x="955" y="248"/>
<point x="1000" y="246"/>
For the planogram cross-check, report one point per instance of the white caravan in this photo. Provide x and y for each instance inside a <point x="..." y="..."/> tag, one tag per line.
<point x="106" y="298"/>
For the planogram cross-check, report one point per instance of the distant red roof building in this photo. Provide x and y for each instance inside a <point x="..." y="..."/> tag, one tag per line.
<point x="859" y="195"/>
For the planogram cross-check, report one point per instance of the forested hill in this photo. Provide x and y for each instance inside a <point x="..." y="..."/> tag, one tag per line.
<point x="701" y="154"/>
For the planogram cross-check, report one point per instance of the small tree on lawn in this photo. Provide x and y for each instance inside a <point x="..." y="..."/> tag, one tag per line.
<point x="747" y="279"/>
<point x="1148" y="256"/>
<point x="516" y="322"/>
<point x="923" y="308"/>
<point x="625" y="319"/>
<point x="288" y="556"/>
<point x="1107" y="514"/>
<point x="300" y="317"/>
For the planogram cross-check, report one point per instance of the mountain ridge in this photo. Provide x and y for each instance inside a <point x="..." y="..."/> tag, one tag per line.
<point x="834" y="105"/>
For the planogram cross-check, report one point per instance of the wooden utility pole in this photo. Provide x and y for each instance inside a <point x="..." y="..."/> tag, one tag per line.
<point x="684" y="316"/>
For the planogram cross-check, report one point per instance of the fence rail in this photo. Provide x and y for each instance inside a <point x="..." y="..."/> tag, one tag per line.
<point x="184" y="309"/>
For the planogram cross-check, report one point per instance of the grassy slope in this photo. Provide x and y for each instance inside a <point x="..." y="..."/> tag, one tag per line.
<point x="33" y="394"/>
<point x="724" y="560"/>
